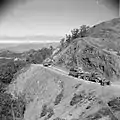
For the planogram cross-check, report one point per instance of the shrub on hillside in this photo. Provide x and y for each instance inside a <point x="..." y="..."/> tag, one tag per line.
<point x="102" y="113"/>
<point x="44" y="111"/>
<point x="2" y="87"/>
<point x="8" y="70"/>
<point x="39" y="56"/>
<point x="5" y="106"/>
<point x="50" y="113"/>
<point x="114" y="104"/>
<point x="11" y="109"/>
<point x="77" y="98"/>
<point x="58" y="98"/>
<point x="19" y="106"/>
<point x="47" y="112"/>
<point x="58" y="118"/>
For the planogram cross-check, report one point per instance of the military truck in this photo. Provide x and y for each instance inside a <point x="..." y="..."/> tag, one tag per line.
<point x="84" y="75"/>
<point x="104" y="82"/>
<point x="95" y="77"/>
<point x="73" y="72"/>
<point x="47" y="62"/>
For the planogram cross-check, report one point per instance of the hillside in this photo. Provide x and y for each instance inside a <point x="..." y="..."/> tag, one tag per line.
<point x="107" y="29"/>
<point x="52" y="95"/>
<point x="37" y="92"/>
<point x="13" y="108"/>
<point x="96" y="52"/>
<point x="107" y="34"/>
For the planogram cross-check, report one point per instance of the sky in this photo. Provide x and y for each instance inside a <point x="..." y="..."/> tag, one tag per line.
<point x="53" y="17"/>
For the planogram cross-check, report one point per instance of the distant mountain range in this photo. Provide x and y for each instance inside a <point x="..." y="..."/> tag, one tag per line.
<point x="26" y="46"/>
<point x="21" y="44"/>
<point x="40" y="38"/>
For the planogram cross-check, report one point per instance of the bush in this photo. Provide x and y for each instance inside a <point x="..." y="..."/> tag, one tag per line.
<point x="7" y="71"/>
<point x="37" y="57"/>
<point x="58" y="98"/>
<point x="57" y="118"/>
<point x="44" y="111"/>
<point x="77" y="98"/>
<point x="50" y="113"/>
<point x="114" y="104"/>
<point x="10" y="108"/>
<point x="19" y="106"/>
<point x="103" y="112"/>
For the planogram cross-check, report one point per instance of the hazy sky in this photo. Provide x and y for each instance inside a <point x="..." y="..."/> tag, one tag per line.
<point x="53" y="17"/>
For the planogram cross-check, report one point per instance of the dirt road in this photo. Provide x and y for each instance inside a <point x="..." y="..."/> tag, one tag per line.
<point x="62" y="72"/>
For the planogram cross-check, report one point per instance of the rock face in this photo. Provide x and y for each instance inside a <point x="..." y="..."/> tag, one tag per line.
<point x="51" y="95"/>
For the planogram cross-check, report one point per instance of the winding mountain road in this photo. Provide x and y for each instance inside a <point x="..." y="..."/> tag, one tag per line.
<point x="65" y="73"/>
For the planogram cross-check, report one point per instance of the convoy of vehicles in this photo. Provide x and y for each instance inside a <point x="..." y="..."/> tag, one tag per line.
<point x="79" y="73"/>
<point x="94" y="77"/>
<point x="73" y="72"/>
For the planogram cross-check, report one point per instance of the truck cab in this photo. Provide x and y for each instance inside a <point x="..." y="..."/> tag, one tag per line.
<point x="47" y="62"/>
<point x="73" y="72"/>
<point x="105" y="82"/>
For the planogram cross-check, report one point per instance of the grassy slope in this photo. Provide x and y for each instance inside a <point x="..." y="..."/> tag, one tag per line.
<point x="108" y="34"/>
<point x="64" y="96"/>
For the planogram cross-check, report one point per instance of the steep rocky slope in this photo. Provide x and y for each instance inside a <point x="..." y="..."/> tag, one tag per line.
<point x="97" y="52"/>
<point x="51" y="95"/>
